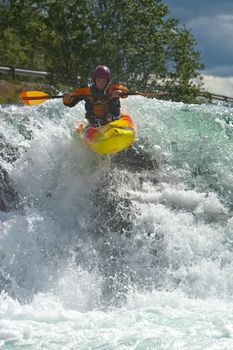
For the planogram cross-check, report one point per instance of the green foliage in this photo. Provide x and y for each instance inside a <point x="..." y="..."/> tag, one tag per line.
<point x="138" y="40"/>
<point x="184" y="66"/>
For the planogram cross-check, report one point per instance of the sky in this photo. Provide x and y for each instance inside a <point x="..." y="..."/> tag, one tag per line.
<point x="211" y="23"/>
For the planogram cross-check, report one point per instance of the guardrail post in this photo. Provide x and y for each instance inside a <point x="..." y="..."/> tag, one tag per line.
<point x="12" y="70"/>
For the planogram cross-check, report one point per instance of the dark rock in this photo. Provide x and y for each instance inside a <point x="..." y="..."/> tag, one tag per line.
<point x="134" y="159"/>
<point x="8" y="152"/>
<point x="8" y="195"/>
<point x="111" y="210"/>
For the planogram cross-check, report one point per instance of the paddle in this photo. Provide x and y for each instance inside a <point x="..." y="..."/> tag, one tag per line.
<point x="36" y="97"/>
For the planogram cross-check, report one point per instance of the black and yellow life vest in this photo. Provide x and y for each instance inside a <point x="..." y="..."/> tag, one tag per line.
<point x="98" y="103"/>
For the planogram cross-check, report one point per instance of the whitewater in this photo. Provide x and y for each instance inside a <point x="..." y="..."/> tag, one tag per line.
<point x="101" y="252"/>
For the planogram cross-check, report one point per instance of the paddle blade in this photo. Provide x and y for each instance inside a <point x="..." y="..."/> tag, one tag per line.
<point x="32" y="98"/>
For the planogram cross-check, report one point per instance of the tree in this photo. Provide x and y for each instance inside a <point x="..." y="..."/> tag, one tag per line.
<point x="129" y="38"/>
<point x="184" y="66"/>
<point x="67" y="37"/>
<point x="145" y="47"/>
<point x="21" y="29"/>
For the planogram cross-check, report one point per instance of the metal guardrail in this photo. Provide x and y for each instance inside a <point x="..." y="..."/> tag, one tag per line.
<point x="22" y="71"/>
<point x="213" y="97"/>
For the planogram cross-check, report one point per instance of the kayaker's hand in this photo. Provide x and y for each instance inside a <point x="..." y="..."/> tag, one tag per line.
<point x="67" y="97"/>
<point x="116" y="93"/>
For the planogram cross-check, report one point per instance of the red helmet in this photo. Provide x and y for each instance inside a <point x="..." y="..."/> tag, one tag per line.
<point x="102" y="72"/>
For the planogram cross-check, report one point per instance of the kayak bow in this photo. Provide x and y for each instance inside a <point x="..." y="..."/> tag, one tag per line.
<point x="110" y="138"/>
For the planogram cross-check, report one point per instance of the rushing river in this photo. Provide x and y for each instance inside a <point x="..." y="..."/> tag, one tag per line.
<point x="97" y="254"/>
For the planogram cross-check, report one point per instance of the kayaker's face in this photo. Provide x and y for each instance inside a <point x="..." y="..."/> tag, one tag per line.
<point x="101" y="83"/>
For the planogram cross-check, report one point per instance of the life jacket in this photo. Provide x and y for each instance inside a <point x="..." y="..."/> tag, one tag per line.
<point x="98" y="101"/>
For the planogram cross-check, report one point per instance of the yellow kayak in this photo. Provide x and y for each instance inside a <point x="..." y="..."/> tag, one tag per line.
<point x="110" y="138"/>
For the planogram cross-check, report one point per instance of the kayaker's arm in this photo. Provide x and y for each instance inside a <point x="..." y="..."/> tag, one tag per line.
<point x="67" y="99"/>
<point x="70" y="100"/>
<point x="118" y="90"/>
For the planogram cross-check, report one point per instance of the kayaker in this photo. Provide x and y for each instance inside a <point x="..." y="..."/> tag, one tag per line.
<point x="102" y="98"/>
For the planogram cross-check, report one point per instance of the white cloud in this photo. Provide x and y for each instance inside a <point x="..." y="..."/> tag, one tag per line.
<point x="219" y="85"/>
<point x="217" y="27"/>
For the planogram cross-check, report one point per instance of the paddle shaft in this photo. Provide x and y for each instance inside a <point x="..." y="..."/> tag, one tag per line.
<point x="31" y="98"/>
